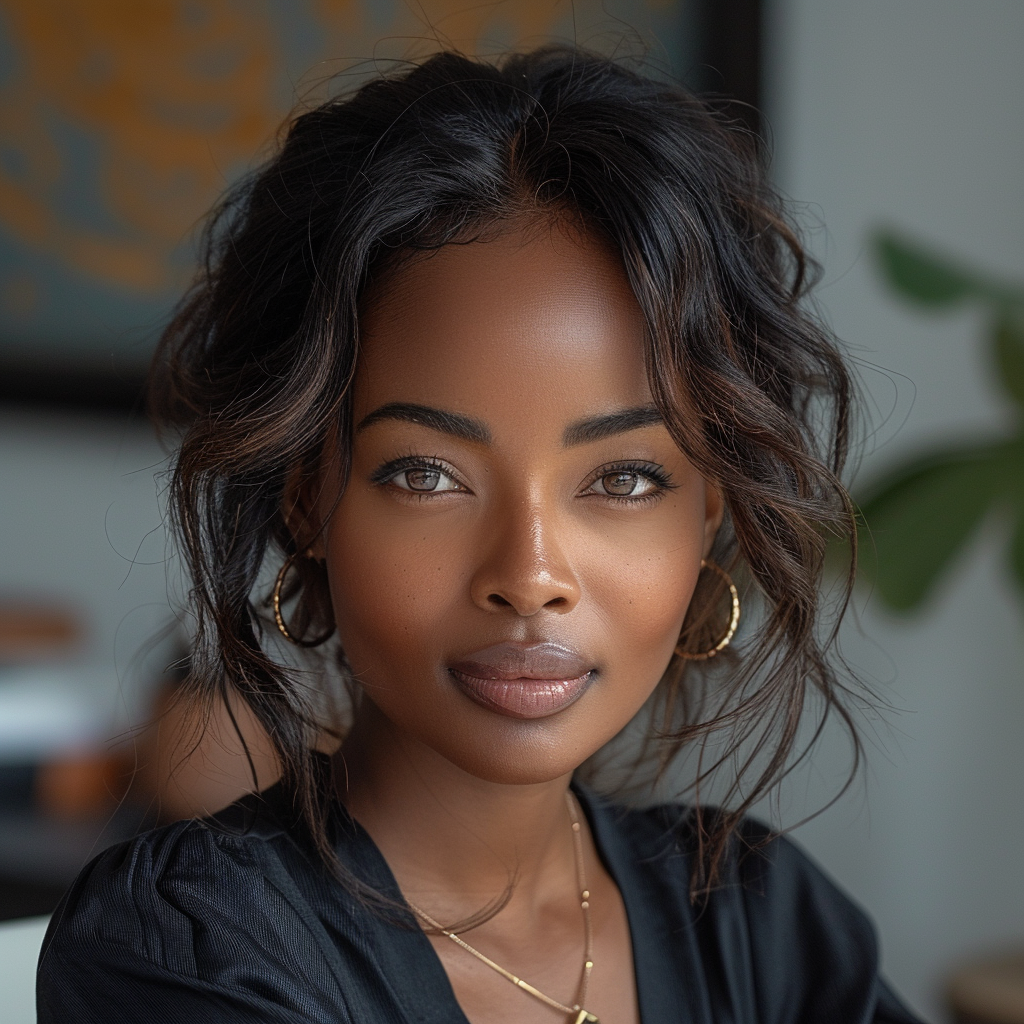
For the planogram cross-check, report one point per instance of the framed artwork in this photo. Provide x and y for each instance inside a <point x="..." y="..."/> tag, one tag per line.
<point x="122" y="122"/>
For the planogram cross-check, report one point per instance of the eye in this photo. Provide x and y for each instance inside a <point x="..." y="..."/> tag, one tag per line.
<point x="624" y="484"/>
<point x="418" y="477"/>
<point x="631" y="481"/>
<point x="424" y="480"/>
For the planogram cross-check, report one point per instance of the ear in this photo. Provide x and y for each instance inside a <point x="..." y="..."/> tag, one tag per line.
<point x="302" y="509"/>
<point x="311" y="492"/>
<point x="714" y="512"/>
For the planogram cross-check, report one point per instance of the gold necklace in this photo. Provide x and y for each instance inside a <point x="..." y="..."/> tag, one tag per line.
<point x="583" y="1016"/>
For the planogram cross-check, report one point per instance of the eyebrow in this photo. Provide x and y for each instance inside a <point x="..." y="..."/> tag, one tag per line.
<point x="453" y="423"/>
<point x="597" y="427"/>
<point x="466" y="428"/>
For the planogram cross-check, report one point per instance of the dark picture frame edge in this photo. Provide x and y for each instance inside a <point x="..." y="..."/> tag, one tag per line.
<point x="83" y="387"/>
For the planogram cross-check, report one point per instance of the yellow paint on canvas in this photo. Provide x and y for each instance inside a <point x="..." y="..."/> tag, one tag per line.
<point x="175" y="96"/>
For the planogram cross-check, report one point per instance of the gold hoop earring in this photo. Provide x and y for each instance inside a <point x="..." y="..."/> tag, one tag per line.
<point x="282" y="626"/>
<point x="734" y="617"/>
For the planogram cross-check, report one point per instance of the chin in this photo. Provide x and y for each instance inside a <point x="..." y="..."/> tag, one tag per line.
<point x="523" y="753"/>
<point x="524" y="772"/>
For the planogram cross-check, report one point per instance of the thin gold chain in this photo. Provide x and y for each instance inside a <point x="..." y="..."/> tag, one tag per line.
<point x="582" y="1015"/>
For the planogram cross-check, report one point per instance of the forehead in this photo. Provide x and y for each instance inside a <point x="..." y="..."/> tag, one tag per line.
<point x="537" y="321"/>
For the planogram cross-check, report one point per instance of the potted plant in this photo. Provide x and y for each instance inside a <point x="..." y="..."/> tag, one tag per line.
<point x="918" y="516"/>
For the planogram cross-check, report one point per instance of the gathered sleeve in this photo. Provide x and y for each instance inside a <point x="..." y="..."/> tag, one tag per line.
<point x="182" y="924"/>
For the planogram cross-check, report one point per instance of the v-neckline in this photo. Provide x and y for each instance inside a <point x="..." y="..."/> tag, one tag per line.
<point x="426" y="994"/>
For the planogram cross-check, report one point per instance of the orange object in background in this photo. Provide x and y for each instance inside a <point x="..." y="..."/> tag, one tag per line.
<point x="183" y="764"/>
<point x="88" y="785"/>
<point x="33" y="632"/>
<point x="989" y="990"/>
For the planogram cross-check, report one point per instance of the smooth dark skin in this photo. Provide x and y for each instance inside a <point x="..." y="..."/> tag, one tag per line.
<point x="527" y="334"/>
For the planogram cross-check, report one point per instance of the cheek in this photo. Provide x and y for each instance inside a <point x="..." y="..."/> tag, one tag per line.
<point x="651" y="574"/>
<point x="642" y="606"/>
<point x="389" y="587"/>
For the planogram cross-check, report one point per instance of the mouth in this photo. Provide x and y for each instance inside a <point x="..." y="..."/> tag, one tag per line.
<point x="523" y="680"/>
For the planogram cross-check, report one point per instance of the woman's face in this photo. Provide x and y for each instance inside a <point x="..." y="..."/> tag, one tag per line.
<point x="515" y="551"/>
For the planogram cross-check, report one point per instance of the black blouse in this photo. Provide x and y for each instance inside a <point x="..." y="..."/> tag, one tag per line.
<point x="232" y="919"/>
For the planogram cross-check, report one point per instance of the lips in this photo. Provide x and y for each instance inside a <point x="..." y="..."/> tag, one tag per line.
<point x="523" y="680"/>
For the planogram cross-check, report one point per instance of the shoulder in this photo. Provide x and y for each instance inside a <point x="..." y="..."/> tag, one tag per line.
<point x="145" y="893"/>
<point x="184" y="912"/>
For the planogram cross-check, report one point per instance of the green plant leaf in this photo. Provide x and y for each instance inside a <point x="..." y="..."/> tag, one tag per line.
<point x="917" y="519"/>
<point x="919" y="275"/>
<point x="1008" y="342"/>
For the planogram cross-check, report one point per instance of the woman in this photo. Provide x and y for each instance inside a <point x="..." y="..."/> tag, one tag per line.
<point x="508" y="363"/>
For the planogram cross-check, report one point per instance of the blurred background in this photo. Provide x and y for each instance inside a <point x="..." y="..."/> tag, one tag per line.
<point x="121" y="122"/>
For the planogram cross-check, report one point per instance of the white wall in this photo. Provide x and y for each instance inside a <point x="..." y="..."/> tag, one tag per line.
<point x="911" y="113"/>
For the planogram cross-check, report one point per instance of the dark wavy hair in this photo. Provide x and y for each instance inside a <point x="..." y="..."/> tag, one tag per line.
<point x="252" y="375"/>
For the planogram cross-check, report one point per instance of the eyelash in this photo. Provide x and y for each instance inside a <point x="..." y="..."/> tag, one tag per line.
<point x="386" y="473"/>
<point x="651" y="470"/>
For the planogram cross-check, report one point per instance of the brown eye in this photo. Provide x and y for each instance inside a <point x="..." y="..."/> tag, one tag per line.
<point x="620" y="484"/>
<point x="627" y="482"/>
<point x="422" y="479"/>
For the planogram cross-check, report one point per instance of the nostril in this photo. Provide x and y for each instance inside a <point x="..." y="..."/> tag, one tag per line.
<point x="499" y="600"/>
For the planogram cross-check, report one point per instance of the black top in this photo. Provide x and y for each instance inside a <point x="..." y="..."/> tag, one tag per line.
<point x="232" y="919"/>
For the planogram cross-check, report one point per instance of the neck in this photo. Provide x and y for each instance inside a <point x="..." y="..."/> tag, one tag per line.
<point x="454" y="842"/>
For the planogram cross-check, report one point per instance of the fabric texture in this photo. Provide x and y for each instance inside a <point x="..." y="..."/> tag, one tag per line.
<point x="233" y="919"/>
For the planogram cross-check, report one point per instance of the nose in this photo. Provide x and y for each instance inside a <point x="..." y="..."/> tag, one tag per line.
<point x="525" y="567"/>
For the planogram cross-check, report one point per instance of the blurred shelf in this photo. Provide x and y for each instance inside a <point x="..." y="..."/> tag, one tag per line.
<point x="61" y="382"/>
<point x="32" y="632"/>
<point x="40" y="856"/>
<point x="47" y="711"/>
<point x="20" y="898"/>
<point x="989" y="991"/>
